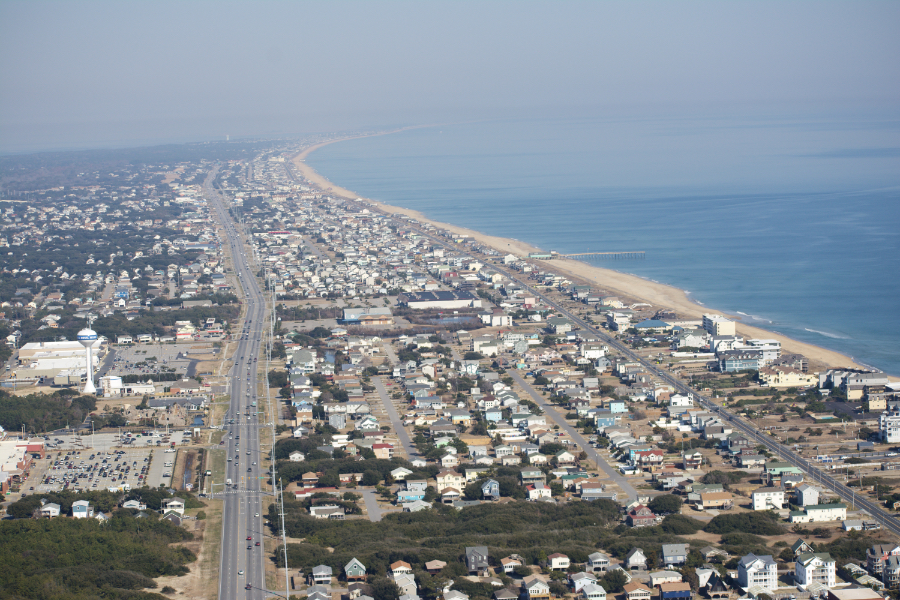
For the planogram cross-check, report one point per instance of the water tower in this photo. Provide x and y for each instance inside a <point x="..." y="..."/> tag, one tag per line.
<point x="87" y="337"/>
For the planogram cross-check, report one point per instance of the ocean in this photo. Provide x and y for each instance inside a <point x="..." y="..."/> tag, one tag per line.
<point x="790" y="222"/>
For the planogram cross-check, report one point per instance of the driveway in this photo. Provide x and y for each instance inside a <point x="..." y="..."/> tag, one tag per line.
<point x="577" y="437"/>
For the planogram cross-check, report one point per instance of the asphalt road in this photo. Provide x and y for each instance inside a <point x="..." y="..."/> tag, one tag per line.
<point x="394" y="417"/>
<point x="573" y="433"/>
<point x="371" y="500"/>
<point x="241" y="572"/>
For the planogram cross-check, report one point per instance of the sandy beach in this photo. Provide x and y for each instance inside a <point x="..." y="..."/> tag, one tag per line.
<point x="622" y="284"/>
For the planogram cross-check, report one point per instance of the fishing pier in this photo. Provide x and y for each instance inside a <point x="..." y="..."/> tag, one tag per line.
<point x="614" y="255"/>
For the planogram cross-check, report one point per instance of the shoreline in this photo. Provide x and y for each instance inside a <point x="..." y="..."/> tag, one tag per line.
<point x="659" y="295"/>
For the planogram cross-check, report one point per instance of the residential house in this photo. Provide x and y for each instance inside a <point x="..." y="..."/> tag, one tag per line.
<point x="810" y="568"/>
<point x="82" y="509"/>
<point x="327" y="511"/>
<point x="538" y="490"/>
<point x="819" y="512"/>
<point x="640" y="516"/>
<point x="477" y="559"/>
<point x="877" y="556"/>
<point x="717" y="500"/>
<point x="535" y="588"/>
<point x="530" y="476"/>
<point x="637" y="591"/>
<point x="759" y="571"/>
<point x="593" y="591"/>
<point x="597" y="563"/>
<point x="806" y="495"/>
<point x="660" y="577"/>
<point x="510" y="563"/>
<point x="635" y="559"/>
<point x="321" y="592"/>
<point x="577" y="581"/>
<point x="766" y="498"/>
<point x="355" y="570"/>
<point x="452" y="479"/>
<point x="801" y="547"/>
<point x="557" y="561"/>
<point x="435" y="566"/>
<point x="173" y="505"/>
<point x="716" y="588"/>
<point x="490" y="490"/>
<point x="406" y="582"/>
<point x="321" y="575"/>
<point x="890" y="574"/>
<point x="674" y="554"/>
<point x="675" y="591"/>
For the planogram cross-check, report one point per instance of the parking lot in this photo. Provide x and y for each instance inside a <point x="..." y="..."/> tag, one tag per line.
<point x="149" y="359"/>
<point x="89" y="470"/>
<point x="103" y="442"/>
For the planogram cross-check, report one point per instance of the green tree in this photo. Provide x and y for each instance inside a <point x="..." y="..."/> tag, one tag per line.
<point x="665" y="503"/>
<point x="384" y="589"/>
<point x="370" y="477"/>
<point x="614" y="581"/>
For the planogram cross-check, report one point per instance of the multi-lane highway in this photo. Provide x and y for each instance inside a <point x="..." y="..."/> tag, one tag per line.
<point x="242" y="573"/>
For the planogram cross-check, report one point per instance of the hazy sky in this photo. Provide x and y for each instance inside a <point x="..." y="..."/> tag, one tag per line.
<point x="87" y="74"/>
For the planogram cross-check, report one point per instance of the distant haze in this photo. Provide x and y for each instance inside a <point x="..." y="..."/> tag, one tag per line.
<point x="92" y="74"/>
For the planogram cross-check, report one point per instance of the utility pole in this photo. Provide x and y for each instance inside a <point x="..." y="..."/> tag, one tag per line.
<point x="287" y="586"/>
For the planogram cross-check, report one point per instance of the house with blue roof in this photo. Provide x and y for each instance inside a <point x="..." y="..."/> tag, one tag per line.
<point x="652" y="326"/>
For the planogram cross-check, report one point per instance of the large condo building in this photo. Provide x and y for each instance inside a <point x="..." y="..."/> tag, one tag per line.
<point x="718" y="325"/>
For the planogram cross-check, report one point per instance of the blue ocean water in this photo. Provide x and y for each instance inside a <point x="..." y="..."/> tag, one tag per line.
<point x="792" y="223"/>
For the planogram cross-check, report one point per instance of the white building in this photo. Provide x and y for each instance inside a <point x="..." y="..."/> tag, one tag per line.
<point x="819" y="512"/>
<point x="814" y="568"/>
<point x="766" y="498"/>
<point x="758" y="570"/>
<point x="679" y="401"/>
<point x="889" y="423"/>
<point x="771" y="349"/>
<point x="111" y="385"/>
<point x="718" y="325"/>
<point x="82" y="509"/>
<point x="617" y="321"/>
<point x="807" y="495"/>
